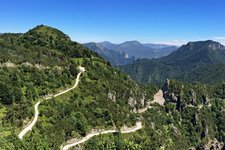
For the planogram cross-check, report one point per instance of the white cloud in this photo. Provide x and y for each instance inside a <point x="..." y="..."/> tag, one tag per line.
<point x="219" y="38"/>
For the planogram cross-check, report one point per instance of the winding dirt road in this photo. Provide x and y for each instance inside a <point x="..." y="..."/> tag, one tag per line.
<point x="30" y="126"/>
<point x="86" y="138"/>
<point x="158" y="98"/>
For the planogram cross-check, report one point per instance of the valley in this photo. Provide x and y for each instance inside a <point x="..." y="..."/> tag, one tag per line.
<point x="112" y="75"/>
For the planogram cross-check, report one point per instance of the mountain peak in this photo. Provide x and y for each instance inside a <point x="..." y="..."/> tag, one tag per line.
<point x="203" y="45"/>
<point x="44" y="31"/>
<point x="196" y="54"/>
<point x="107" y="44"/>
<point x="134" y="42"/>
<point x="45" y="36"/>
<point x="207" y="43"/>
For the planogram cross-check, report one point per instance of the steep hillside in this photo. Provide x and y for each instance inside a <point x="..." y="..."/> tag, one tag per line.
<point x="191" y="118"/>
<point x="197" y="61"/>
<point x="43" y="62"/>
<point x="196" y="54"/>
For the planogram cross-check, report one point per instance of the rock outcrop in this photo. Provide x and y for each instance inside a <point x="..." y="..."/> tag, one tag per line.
<point x="193" y="97"/>
<point x="211" y="145"/>
<point x="132" y="102"/>
<point x="112" y="96"/>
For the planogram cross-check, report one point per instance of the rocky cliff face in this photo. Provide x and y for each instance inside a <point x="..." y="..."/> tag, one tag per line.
<point x="112" y="96"/>
<point x="188" y="95"/>
<point x="170" y="95"/>
<point x="197" y="103"/>
<point x="211" y="145"/>
<point x="139" y="102"/>
<point x="216" y="46"/>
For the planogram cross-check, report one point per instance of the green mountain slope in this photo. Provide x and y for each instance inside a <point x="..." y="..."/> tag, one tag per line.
<point x="41" y="45"/>
<point x="192" y="118"/>
<point x="105" y="98"/>
<point x="44" y="61"/>
<point x="197" y="61"/>
<point x="196" y="54"/>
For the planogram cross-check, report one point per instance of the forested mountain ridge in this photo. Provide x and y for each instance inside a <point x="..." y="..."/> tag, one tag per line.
<point x="195" y="54"/>
<point x="201" y="61"/>
<point x="41" y="45"/>
<point x="44" y="61"/>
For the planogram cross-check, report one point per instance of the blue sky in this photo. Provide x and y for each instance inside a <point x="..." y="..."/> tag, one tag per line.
<point x="156" y="21"/>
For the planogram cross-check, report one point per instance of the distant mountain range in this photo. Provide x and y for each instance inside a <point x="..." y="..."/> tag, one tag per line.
<point x="108" y="45"/>
<point x="44" y="61"/>
<point x="118" y="54"/>
<point x="202" y="61"/>
<point x="114" y="57"/>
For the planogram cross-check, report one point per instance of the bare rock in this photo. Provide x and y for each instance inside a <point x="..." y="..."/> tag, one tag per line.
<point x="142" y="100"/>
<point x="213" y="145"/>
<point x="193" y="97"/>
<point x="132" y="102"/>
<point x="112" y="96"/>
<point x="174" y="97"/>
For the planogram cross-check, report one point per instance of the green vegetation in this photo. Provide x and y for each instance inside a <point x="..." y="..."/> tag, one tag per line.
<point x="43" y="61"/>
<point x="195" y="118"/>
<point x="195" y="62"/>
<point x="41" y="45"/>
<point x="112" y="142"/>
